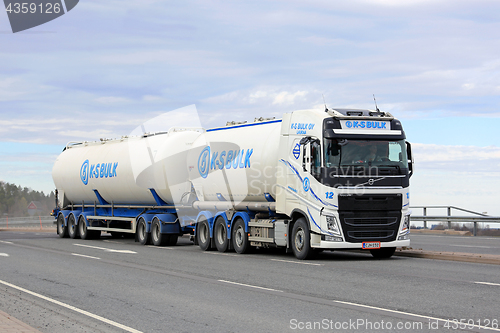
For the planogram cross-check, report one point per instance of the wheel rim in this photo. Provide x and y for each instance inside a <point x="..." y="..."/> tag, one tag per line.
<point x="83" y="228"/>
<point x="239" y="235"/>
<point x="221" y="233"/>
<point x="71" y="225"/>
<point x="60" y="226"/>
<point x="142" y="231"/>
<point x="299" y="239"/>
<point x="203" y="233"/>
<point x="156" y="232"/>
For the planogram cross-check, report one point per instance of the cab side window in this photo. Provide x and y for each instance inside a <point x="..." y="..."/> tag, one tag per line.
<point x="315" y="159"/>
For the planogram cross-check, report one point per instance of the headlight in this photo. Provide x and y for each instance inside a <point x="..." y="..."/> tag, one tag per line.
<point x="405" y="226"/>
<point x="332" y="225"/>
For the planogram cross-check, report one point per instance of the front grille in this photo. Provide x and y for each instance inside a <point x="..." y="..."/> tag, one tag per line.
<point x="376" y="235"/>
<point x="378" y="221"/>
<point x="360" y="226"/>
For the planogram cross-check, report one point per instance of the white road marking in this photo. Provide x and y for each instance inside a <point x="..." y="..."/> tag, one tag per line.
<point x="106" y="249"/>
<point x="488" y="283"/>
<point x="410" y="314"/>
<point x="82" y="255"/>
<point x="5" y="242"/>
<point x="297" y="262"/>
<point x="105" y="320"/>
<point x="108" y="241"/>
<point x="222" y="254"/>
<point x="249" y="285"/>
<point x="160" y="247"/>
<point x="4" y="255"/>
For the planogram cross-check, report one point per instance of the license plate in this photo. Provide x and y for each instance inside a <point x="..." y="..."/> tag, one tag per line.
<point x="371" y="245"/>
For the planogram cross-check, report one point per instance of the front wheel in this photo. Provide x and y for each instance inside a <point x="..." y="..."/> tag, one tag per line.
<point x="383" y="253"/>
<point x="301" y="240"/>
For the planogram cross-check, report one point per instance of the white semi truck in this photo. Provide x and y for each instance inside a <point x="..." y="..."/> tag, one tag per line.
<point x="308" y="182"/>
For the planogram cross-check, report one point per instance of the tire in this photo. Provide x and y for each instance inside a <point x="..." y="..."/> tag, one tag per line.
<point x="62" y="230"/>
<point x="301" y="240"/>
<point x="84" y="232"/>
<point x="383" y="253"/>
<point x="72" y="227"/>
<point x="143" y="236"/>
<point x="220" y="235"/>
<point x="157" y="237"/>
<point x="82" y="229"/>
<point x="203" y="235"/>
<point x="240" y="237"/>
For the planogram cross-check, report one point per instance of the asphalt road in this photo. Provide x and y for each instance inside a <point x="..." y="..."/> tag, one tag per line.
<point x="117" y="285"/>
<point x="448" y="243"/>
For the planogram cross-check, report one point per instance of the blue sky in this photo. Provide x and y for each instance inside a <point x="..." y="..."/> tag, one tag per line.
<point x="106" y="67"/>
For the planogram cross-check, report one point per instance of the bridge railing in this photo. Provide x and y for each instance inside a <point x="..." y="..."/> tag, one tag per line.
<point x="474" y="217"/>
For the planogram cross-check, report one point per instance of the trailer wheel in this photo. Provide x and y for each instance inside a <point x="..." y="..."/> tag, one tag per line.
<point x="383" y="253"/>
<point x="220" y="235"/>
<point x="157" y="237"/>
<point x="82" y="228"/>
<point x="301" y="240"/>
<point x="72" y="227"/>
<point x="84" y="232"/>
<point x="142" y="235"/>
<point x="240" y="237"/>
<point x="203" y="235"/>
<point x="62" y="230"/>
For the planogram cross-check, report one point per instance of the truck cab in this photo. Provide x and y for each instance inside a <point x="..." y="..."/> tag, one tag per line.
<point x="346" y="171"/>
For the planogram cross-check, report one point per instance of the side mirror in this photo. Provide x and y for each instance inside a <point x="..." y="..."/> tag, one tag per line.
<point x="305" y="140"/>
<point x="410" y="158"/>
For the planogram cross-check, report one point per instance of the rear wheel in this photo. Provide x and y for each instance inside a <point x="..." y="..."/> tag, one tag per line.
<point x="62" y="230"/>
<point x="82" y="228"/>
<point x="84" y="232"/>
<point x="220" y="235"/>
<point x="383" y="253"/>
<point x="72" y="227"/>
<point x="142" y="235"/>
<point x="240" y="237"/>
<point x="203" y="235"/>
<point x="301" y="240"/>
<point x="157" y="237"/>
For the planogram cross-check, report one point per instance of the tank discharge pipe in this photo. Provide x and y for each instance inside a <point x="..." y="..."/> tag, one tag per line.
<point x="225" y="205"/>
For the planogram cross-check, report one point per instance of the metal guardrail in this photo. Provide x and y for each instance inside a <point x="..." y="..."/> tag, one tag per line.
<point x="474" y="218"/>
<point x="44" y="221"/>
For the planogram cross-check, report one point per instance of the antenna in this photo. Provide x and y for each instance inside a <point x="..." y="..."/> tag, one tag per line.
<point x="326" y="109"/>
<point x="376" y="107"/>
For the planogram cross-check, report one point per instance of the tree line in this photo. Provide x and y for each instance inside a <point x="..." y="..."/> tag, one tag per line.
<point x="14" y="200"/>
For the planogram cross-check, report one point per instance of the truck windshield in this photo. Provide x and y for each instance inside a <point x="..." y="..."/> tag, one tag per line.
<point x="343" y="153"/>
